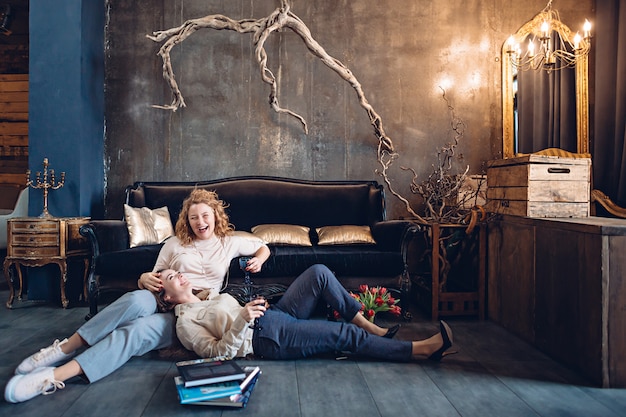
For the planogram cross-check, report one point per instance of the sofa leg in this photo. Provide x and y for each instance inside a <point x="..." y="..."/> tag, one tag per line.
<point x="93" y="306"/>
<point x="93" y="293"/>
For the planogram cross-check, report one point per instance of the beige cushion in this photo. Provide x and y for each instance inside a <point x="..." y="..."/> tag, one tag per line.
<point x="283" y="234"/>
<point x="146" y="226"/>
<point x="344" y="235"/>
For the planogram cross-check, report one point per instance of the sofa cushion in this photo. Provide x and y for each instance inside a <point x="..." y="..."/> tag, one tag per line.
<point x="146" y="226"/>
<point x="132" y="262"/>
<point x="343" y="260"/>
<point x="344" y="235"/>
<point x="283" y="234"/>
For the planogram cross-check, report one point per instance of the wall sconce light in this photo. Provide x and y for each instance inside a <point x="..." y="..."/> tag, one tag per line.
<point x="550" y="44"/>
<point x="5" y="19"/>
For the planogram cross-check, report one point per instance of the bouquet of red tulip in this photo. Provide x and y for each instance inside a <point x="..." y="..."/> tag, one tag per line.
<point x="376" y="299"/>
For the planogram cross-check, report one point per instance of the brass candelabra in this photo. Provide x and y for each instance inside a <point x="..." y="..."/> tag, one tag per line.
<point x="45" y="185"/>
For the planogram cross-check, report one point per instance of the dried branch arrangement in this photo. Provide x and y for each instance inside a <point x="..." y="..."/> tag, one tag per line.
<point x="261" y="29"/>
<point x="443" y="200"/>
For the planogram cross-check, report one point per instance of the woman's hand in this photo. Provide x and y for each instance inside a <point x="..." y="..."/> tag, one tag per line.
<point x="256" y="262"/>
<point x="150" y="281"/>
<point x="254" y="309"/>
<point x="254" y="265"/>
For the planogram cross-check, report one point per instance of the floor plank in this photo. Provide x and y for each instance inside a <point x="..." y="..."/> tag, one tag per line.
<point x="475" y="392"/>
<point x="276" y="392"/>
<point x="321" y="395"/>
<point x="398" y="387"/>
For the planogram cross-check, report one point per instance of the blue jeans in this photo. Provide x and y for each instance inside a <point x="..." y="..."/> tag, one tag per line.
<point x="286" y="331"/>
<point x="130" y="326"/>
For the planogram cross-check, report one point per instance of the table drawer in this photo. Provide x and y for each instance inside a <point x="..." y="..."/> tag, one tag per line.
<point x="75" y="241"/>
<point x="31" y="226"/>
<point x="31" y="239"/>
<point x="33" y="252"/>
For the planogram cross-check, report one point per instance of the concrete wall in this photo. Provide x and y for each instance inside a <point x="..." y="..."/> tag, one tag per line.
<point x="403" y="52"/>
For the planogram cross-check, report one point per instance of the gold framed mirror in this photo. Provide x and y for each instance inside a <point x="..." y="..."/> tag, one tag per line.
<point x="535" y="27"/>
<point x="576" y="56"/>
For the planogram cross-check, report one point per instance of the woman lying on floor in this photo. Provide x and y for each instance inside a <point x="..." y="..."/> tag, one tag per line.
<point x="219" y="327"/>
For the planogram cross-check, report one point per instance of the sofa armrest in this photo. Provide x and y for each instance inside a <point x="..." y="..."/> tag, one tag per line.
<point x="103" y="236"/>
<point x="394" y="235"/>
<point x="106" y="235"/>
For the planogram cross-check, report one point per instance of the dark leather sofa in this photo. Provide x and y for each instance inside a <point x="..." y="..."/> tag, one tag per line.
<point x="265" y="200"/>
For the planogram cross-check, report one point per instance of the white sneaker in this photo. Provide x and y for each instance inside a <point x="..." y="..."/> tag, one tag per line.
<point x="24" y="387"/>
<point x="52" y="355"/>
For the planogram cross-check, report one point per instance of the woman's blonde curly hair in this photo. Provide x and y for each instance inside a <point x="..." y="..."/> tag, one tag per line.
<point x="223" y="227"/>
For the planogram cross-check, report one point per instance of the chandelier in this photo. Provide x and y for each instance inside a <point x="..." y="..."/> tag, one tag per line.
<point x="548" y="44"/>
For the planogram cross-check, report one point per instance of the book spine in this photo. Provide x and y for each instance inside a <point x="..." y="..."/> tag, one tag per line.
<point x="252" y="373"/>
<point x="191" y="395"/>
<point x="209" y="381"/>
<point x="245" y="396"/>
<point x="236" y="400"/>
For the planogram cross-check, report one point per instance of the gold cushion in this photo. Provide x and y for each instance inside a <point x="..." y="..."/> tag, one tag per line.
<point x="147" y="227"/>
<point x="247" y="235"/>
<point x="283" y="234"/>
<point x="344" y="235"/>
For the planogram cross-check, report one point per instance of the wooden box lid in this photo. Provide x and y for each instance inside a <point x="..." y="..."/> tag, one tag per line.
<point x="538" y="159"/>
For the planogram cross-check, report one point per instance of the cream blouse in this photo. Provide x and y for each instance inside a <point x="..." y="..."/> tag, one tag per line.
<point x="214" y="328"/>
<point x="205" y="262"/>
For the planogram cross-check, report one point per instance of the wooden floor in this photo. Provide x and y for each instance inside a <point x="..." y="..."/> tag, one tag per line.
<point x="494" y="374"/>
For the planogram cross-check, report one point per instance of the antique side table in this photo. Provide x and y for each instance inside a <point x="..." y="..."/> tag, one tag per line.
<point x="35" y="242"/>
<point x="452" y="270"/>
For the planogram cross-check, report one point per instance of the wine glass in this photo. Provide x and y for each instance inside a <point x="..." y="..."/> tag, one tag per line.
<point x="248" y="287"/>
<point x="243" y="265"/>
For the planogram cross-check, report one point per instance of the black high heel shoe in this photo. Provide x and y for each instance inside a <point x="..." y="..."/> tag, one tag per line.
<point x="391" y="332"/>
<point x="447" y="344"/>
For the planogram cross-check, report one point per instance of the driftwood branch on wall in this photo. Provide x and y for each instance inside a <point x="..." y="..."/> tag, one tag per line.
<point x="261" y="29"/>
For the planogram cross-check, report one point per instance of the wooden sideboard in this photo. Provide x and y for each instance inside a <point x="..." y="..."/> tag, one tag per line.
<point x="560" y="284"/>
<point x="34" y="242"/>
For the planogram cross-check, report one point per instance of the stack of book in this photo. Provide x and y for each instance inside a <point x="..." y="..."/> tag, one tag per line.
<point x="215" y="382"/>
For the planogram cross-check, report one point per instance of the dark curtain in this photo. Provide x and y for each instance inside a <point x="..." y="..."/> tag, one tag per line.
<point x="609" y="116"/>
<point x="546" y="110"/>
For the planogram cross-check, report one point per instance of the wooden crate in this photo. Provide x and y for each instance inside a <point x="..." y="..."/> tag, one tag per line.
<point x="539" y="186"/>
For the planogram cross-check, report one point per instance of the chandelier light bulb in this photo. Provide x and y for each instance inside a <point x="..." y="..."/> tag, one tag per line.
<point x="587" y="28"/>
<point x="511" y="43"/>
<point x="577" y="39"/>
<point x="545" y="29"/>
